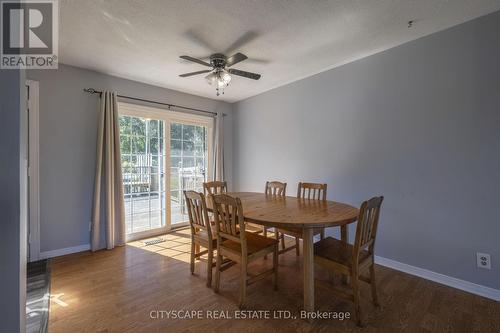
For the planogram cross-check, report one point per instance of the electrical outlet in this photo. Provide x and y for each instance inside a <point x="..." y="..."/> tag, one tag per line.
<point x="483" y="260"/>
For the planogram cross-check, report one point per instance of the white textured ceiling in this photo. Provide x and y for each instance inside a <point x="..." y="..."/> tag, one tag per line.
<point x="286" y="40"/>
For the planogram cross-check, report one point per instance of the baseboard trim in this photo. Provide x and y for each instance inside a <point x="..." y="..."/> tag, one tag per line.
<point x="470" y="287"/>
<point x="62" y="252"/>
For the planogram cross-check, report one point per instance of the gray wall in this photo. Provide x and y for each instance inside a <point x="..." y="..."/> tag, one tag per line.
<point x="13" y="242"/>
<point x="419" y="124"/>
<point x="68" y="134"/>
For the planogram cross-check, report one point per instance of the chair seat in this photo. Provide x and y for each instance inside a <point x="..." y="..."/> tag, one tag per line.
<point x="255" y="243"/>
<point x="297" y="232"/>
<point x="337" y="251"/>
<point x="254" y="228"/>
<point x="203" y="235"/>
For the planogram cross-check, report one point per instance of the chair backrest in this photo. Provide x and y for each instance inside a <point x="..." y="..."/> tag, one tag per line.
<point x="311" y="191"/>
<point x="197" y="211"/>
<point x="215" y="187"/>
<point x="366" y="230"/>
<point x="275" y="188"/>
<point x="228" y="217"/>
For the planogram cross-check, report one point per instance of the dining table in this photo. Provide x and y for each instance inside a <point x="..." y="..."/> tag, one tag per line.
<point x="306" y="214"/>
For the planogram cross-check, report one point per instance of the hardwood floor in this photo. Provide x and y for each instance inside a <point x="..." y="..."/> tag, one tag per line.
<point x="115" y="291"/>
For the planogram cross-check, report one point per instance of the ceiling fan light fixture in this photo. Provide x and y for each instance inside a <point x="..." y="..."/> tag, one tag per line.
<point x="225" y="77"/>
<point x="211" y="78"/>
<point x="220" y="79"/>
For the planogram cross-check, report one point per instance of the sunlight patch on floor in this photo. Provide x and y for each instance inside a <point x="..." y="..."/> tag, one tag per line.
<point x="177" y="245"/>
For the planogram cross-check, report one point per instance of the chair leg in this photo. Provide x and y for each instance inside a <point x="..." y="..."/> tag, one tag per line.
<point x="209" y="266"/>
<point x="265" y="235"/>
<point x="197" y="250"/>
<point x="322" y="234"/>
<point x="344" y="236"/>
<point x="192" y="255"/>
<point x="217" y="272"/>
<point x="243" y="282"/>
<point x="297" y="247"/>
<point x="277" y="237"/>
<point x="275" y="267"/>
<point x="357" y="307"/>
<point x="374" y="285"/>
<point x="282" y="236"/>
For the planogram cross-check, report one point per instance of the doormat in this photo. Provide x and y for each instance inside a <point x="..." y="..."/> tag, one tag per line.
<point x="154" y="241"/>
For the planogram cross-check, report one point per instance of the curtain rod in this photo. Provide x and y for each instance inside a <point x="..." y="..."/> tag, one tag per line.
<point x="94" y="91"/>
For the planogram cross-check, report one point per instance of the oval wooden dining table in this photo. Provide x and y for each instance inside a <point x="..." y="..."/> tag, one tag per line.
<point x="275" y="211"/>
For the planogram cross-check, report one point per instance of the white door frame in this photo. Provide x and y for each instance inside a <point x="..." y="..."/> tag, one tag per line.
<point x="33" y="170"/>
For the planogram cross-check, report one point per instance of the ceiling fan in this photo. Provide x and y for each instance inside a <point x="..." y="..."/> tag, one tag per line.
<point x="219" y="75"/>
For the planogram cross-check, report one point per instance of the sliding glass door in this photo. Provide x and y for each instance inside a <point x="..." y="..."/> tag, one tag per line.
<point x="143" y="152"/>
<point x="156" y="143"/>
<point x="188" y="165"/>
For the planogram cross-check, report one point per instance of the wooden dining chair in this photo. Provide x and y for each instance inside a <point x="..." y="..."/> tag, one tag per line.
<point x="201" y="231"/>
<point x="240" y="246"/>
<point x="309" y="191"/>
<point x="312" y="191"/>
<point x="339" y="256"/>
<point x="214" y="187"/>
<point x="277" y="189"/>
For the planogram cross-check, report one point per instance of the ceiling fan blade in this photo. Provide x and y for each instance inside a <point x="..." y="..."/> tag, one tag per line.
<point x="185" y="57"/>
<point x="244" y="74"/>
<point x="259" y="61"/>
<point x="197" y="38"/>
<point x="244" y="39"/>
<point x="195" y="73"/>
<point x="234" y="59"/>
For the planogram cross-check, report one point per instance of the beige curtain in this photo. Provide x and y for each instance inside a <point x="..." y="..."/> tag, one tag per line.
<point x="218" y="169"/>
<point x="108" y="215"/>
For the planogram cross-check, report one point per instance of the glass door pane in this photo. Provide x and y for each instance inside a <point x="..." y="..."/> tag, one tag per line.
<point x="143" y="153"/>
<point x="188" y="165"/>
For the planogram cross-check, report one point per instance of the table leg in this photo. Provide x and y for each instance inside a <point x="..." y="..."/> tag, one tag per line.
<point x="344" y="233"/>
<point x="308" y="269"/>
<point x="344" y="236"/>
